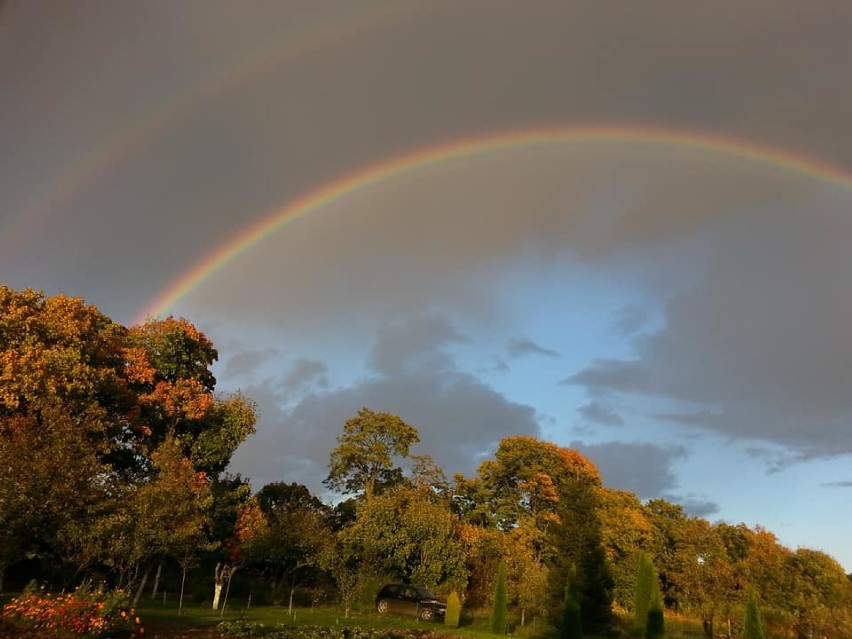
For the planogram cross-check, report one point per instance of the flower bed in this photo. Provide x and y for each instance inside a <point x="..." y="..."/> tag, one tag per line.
<point x="87" y="613"/>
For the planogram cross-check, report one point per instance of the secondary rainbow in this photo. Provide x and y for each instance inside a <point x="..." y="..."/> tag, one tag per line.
<point x="148" y="127"/>
<point x="346" y="185"/>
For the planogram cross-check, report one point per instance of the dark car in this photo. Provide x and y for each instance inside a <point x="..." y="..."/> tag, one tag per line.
<point x="409" y="600"/>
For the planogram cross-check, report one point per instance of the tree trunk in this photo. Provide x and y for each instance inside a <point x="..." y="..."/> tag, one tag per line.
<point x="2" y="572"/>
<point x="218" y="581"/>
<point x="227" y="590"/>
<point x="292" y="588"/>
<point x="141" y="586"/>
<point x="182" y="582"/>
<point x="157" y="579"/>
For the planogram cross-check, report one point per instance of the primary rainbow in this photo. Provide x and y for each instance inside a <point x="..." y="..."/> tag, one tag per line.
<point x="398" y="165"/>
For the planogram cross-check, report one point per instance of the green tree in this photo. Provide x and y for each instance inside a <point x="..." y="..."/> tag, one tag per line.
<point x="499" y="621"/>
<point x="571" y="624"/>
<point x="752" y="623"/>
<point x="366" y="449"/>
<point x="298" y="529"/>
<point x="453" y="612"/>
<point x="645" y="579"/>
<point x="655" y="627"/>
<point x="406" y="535"/>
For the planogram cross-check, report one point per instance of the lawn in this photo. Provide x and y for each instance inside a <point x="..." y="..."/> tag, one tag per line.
<point x="158" y="613"/>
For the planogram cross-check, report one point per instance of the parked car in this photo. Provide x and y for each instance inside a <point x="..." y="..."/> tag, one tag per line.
<point x="409" y="600"/>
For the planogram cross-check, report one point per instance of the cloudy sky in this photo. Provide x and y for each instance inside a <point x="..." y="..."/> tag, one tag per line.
<point x="660" y="276"/>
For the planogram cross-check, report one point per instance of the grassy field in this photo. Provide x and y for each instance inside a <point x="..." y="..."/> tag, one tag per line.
<point x="475" y="626"/>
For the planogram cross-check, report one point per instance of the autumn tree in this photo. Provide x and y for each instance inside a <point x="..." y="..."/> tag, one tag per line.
<point x="366" y="450"/>
<point x="70" y="376"/>
<point x="407" y="535"/>
<point x="298" y="527"/>
<point x="625" y="530"/>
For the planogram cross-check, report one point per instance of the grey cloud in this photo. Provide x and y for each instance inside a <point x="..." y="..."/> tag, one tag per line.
<point x="248" y="361"/>
<point x="304" y="373"/>
<point x="629" y="320"/>
<point x="696" y="507"/>
<point x="600" y="414"/>
<point x="754" y="344"/>
<point x="837" y="484"/>
<point x="520" y="346"/>
<point x="694" y="418"/>
<point x="612" y="376"/>
<point x="459" y="418"/>
<point x="641" y="468"/>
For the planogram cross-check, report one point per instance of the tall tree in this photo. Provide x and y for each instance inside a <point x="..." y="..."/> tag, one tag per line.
<point x="367" y="448"/>
<point x="752" y="623"/>
<point x="499" y="621"/>
<point x="645" y="579"/>
<point x="407" y="535"/>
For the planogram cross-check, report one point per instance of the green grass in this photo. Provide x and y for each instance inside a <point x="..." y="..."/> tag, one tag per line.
<point x="202" y="614"/>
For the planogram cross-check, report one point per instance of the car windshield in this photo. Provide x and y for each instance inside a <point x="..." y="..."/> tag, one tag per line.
<point x="425" y="594"/>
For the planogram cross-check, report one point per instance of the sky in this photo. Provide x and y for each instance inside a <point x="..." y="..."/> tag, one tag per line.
<point x="622" y="227"/>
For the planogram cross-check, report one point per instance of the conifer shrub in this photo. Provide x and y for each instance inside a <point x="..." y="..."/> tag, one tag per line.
<point x="752" y="624"/>
<point x="655" y="625"/>
<point x="645" y="579"/>
<point x="453" y="612"/>
<point x="499" y="608"/>
<point x="571" y="625"/>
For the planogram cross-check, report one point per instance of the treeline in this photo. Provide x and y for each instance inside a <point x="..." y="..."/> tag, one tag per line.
<point x="113" y="457"/>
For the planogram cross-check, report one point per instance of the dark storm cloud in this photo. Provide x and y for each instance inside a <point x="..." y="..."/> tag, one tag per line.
<point x="460" y="419"/>
<point x="696" y="507"/>
<point x="640" y="468"/>
<point x="324" y="102"/>
<point x="599" y="414"/>
<point x="520" y="346"/>
<point x="305" y="373"/>
<point x="243" y="363"/>
<point x="756" y="345"/>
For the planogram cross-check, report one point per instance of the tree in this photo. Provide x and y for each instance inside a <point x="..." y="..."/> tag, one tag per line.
<point x="571" y="624"/>
<point x="73" y="382"/>
<point x="655" y="626"/>
<point x="752" y="623"/>
<point x="645" y="579"/>
<point x="453" y="612"/>
<point x="298" y="525"/>
<point x="366" y="449"/>
<point x="499" y="621"/>
<point x="406" y="535"/>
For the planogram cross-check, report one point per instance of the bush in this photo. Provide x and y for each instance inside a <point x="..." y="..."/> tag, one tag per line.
<point x="453" y="614"/>
<point x="499" y="608"/>
<point x="571" y="626"/>
<point x="86" y="612"/>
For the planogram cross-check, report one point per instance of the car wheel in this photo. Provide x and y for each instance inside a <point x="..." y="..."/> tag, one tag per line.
<point x="382" y="606"/>
<point x="425" y="614"/>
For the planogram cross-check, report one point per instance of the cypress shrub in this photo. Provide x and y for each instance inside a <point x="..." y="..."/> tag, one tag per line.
<point x="571" y="626"/>
<point x="655" y="628"/>
<point x="453" y="614"/>
<point x="752" y="624"/>
<point x="499" y="609"/>
<point x="642" y="595"/>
